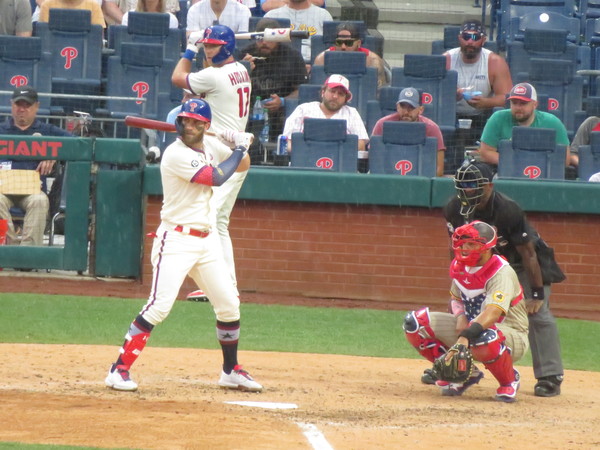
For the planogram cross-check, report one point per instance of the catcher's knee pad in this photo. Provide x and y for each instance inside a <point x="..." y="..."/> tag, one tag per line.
<point x="418" y="331"/>
<point x="488" y="346"/>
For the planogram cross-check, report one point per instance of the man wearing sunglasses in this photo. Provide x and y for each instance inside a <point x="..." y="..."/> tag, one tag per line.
<point x="483" y="77"/>
<point x="528" y="255"/>
<point x="348" y="40"/>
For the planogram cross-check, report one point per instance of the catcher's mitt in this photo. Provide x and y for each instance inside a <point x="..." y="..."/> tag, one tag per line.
<point x="458" y="368"/>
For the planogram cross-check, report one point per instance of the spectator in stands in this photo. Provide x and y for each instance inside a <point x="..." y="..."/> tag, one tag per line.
<point x="409" y="108"/>
<point x="15" y="18"/>
<point x="479" y="71"/>
<point x="114" y="9"/>
<point x="348" y="40"/>
<point x="582" y="137"/>
<point x="92" y="5"/>
<point x="224" y="12"/>
<point x="268" y="5"/>
<point x="523" y="113"/>
<point x="335" y="93"/>
<point x="595" y="178"/>
<point x="303" y="16"/>
<point x="156" y="6"/>
<point x="277" y="72"/>
<point x="24" y="122"/>
<point x="249" y="3"/>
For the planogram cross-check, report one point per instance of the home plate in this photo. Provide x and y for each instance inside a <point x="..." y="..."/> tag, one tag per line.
<point x="266" y="405"/>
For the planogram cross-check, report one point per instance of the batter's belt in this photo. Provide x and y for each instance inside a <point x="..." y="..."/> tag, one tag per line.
<point x="187" y="230"/>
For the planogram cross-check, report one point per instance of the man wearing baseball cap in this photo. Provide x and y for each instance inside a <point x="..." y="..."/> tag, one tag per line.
<point x="409" y="108"/>
<point x="24" y="122"/>
<point x="522" y="113"/>
<point x="335" y="94"/>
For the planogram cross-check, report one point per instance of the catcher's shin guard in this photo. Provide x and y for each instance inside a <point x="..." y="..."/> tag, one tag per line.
<point x="495" y="356"/>
<point x="421" y="336"/>
<point x="135" y="341"/>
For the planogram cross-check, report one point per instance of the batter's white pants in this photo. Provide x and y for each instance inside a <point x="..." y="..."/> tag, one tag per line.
<point x="176" y="255"/>
<point x="221" y="205"/>
<point x="444" y="327"/>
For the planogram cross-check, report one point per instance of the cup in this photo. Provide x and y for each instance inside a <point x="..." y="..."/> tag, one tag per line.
<point x="464" y="123"/>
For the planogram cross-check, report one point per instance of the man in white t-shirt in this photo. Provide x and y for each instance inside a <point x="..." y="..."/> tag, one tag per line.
<point x="335" y="93"/>
<point x="304" y="16"/>
<point x="114" y="9"/>
<point x="230" y="13"/>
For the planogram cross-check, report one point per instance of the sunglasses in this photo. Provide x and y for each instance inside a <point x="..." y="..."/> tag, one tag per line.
<point x="471" y="36"/>
<point x="347" y="42"/>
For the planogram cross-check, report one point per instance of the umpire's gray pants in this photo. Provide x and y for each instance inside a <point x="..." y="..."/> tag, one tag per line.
<point x="544" y="341"/>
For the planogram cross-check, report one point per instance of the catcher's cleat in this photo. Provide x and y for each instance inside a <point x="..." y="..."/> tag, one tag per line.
<point x="120" y="380"/>
<point x="239" y="379"/>
<point x="508" y="394"/>
<point x="428" y="377"/>
<point x="455" y="389"/>
<point x="548" y="386"/>
<point x="197" y="296"/>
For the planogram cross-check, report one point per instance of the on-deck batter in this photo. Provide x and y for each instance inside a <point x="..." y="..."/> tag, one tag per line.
<point x="184" y="244"/>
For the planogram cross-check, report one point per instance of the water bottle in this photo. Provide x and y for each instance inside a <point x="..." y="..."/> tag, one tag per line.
<point x="257" y="110"/>
<point x="264" y="134"/>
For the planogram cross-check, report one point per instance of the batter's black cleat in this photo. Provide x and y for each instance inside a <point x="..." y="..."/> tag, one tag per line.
<point x="428" y="377"/>
<point x="548" y="386"/>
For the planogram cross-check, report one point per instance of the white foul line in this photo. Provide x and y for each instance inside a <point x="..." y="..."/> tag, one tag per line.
<point x="266" y="405"/>
<point x="315" y="437"/>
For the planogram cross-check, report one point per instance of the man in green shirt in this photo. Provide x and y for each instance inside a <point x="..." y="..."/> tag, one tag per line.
<point x="522" y="113"/>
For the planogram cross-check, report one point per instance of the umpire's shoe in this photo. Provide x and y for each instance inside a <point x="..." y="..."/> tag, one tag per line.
<point x="239" y="379"/>
<point x="119" y="380"/>
<point x="548" y="386"/>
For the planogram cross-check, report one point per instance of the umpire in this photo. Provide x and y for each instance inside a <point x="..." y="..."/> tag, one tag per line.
<point x="527" y="253"/>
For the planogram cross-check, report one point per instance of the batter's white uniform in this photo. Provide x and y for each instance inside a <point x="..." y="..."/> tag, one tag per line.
<point x="227" y="90"/>
<point x="354" y="124"/>
<point x="235" y="16"/>
<point x="177" y="254"/>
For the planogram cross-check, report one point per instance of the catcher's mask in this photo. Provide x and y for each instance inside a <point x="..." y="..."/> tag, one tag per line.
<point x="479" y="235"/>
<point x="196" y="109"/>
<point x="469" y="180"/>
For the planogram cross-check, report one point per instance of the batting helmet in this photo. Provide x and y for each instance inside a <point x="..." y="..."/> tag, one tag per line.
<point x="483" y="237"/>
<point x="196" y="109"/>
<point x="220" y="35"/>
<point x="469" y="180"/>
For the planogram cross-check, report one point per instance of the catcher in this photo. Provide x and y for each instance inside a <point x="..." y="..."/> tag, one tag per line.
<point x="488" y="322"/>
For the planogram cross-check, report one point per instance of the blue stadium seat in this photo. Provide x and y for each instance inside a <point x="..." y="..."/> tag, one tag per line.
<point x="403" y="149"/>
<point x="182" y="14"/>
<point x="283" y="22"/>
<point x="533" y="154"/>
<point x="148" y="28"/>
<point x="140" y="71"/>
<point x="589" y="157"/>
<point x="544" y="21"/>
<point x="76" y="48"/>
<point x="321" y="42"/>
<point x="376" y="109"/>
<point x="22" y="62"/>
<point x="324" y="145"/>
<point x="353" y="65"/>
<point x="554" y="79"/>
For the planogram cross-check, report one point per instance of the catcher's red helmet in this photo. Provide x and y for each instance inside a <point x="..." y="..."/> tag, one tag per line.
<point x="479" y="235"/>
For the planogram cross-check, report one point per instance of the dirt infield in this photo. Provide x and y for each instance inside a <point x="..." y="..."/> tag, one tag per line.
<point x="54" y="394"/>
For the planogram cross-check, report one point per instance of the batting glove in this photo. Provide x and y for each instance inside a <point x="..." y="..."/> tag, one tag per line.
<point x="239" y="138"/>
<point x="194" y="41"/>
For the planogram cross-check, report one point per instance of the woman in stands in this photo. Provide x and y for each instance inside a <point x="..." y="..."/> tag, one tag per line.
<point x="157" y="6"/>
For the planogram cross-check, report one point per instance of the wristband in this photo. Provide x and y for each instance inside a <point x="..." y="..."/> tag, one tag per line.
<point x="189" y="54"/>
<point x="474" y="330"/>
<point x="537" y="293"/>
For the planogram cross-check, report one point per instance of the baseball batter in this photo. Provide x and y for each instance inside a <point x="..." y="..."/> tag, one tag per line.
<point x="184" y="244"/>
<point x="488" y="314"/>
<point x="225" y="84"/>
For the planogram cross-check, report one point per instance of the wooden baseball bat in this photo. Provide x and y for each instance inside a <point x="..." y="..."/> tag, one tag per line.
<point x="151" y="124"/>
<point x="273" y="35"/>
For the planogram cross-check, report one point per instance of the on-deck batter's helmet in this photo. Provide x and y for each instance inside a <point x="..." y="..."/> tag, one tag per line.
<point x="469" y="180"/>
<point x="195" y="108"/>
<point x="481" y="234"/>
<point x="220" y="35"/>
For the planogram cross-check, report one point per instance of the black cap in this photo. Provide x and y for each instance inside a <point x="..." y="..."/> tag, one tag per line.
<point x="468" y="171"/>
<point x="473" y="25"/>
<point x="26" y="93"/>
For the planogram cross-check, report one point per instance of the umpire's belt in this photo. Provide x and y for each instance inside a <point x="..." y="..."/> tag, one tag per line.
<point x="187" y="230"/>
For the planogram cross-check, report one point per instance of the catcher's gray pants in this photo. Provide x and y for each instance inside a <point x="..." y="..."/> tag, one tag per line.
<point x="444" y="327"/>
<point x="543" y="335"/>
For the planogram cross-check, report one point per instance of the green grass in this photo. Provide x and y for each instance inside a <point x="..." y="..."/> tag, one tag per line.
<point x="57" y="319"/>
